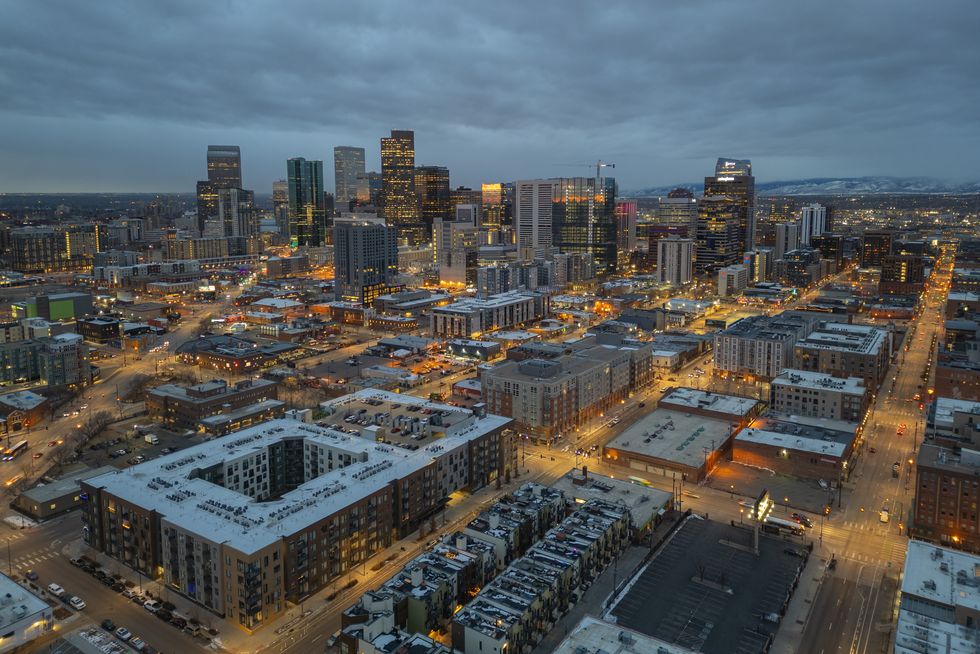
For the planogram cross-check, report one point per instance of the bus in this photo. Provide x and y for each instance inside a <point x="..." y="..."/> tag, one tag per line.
<point x="12" y="453"/>
<point x="780" y="526"/>
<point x="640" y="480"/>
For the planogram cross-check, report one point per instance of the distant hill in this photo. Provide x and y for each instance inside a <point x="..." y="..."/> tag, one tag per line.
<point x="838" y="186"/>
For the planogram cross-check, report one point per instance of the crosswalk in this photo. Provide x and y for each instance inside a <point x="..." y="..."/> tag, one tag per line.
<point x="34" y="559"/>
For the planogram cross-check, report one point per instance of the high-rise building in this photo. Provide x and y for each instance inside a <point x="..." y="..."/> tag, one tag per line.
<point x="718" y="234"/>
<point x="813" y="222"/>
<point x="432" y="187"/>
<point x="307" y="214"/>
<point x="365" y="259"/>
<point x="625" y="231"/>
<point x="455" y="245"/>
<point x="236" y="212"/>
<point x="679" y="209"/>
<point x="877" y="244"/>
<point x="280" y="205"/>
<point x="348" y="174"/>
<point x="225" y="166"/>
<point x="733" y="179"/>
<point x="675" y="260"/>
<point x="902" y="274"/>
<point x="493" y="206"/>
<point x="401" y="206"/>
<point x="760" y="264"/>
<point x="207" y="203"/>
<point x="533" y="207"/>
<point x="583" y="219"/>
<point x="732" y="279"/>
<point x="57" y="248"/>
<point x="787" y="238"/>
<point x="831" y="247"/>
<point x="371" y="185"/>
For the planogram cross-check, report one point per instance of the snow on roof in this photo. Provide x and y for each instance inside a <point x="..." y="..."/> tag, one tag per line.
<point x="820" y="381"/>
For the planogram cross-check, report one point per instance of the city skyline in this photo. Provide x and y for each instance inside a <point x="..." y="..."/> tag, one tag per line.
<point x="855" y="104"/>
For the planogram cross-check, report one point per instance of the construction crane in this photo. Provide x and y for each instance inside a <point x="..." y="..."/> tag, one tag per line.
<point x="599" y="165"/>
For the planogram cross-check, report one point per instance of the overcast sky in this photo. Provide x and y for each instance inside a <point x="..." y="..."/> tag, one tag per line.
<point x="126" y="96"/>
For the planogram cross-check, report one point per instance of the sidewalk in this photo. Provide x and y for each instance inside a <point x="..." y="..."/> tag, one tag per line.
<point x="790" y="632"/>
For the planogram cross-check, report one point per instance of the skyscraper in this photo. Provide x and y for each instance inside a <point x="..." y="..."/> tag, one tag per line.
<point x="432" y="187"/>
<point x="813" y="222"/>
<point x="679" y="209"/>
<point x="534" y="204"/>
<point x="875" y="246"/>
<point x="365" y="258"/>
<point x="718" y="242"/>
<point x="371" y="186"/>
<point x="401" y="206"/>
<point x="207" y="203"/>
<point x="675" y="260"/>
<point x="348" y="171"/>
<point x="307" y="214"/>
<point x="493" y="206"/>
<point x="625" y="231"/>
<point x="280" y="205"/>
<point x="225" y="166"/>
<point x="584" y="219"/>
<point x="787" y="238"/>
<point x="236" y="212"/>
<point x="733" y="179"/>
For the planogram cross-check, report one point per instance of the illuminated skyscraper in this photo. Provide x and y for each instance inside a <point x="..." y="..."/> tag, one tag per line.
<point x="675" y="261"/>
<point x="493" y="206"/>
<point x="679" y="209"/>
<point x="236" y="212"/>
<point x="432" y="187"/>
<point x="348" y="170"/>
<point x="280" y="204"/>
<point x="365" y="258"/>
<point x="225" y="166"/>
<point x="207" y="203"/>
<point x="813" y="222"/>
<point x="584" y="219"/>
<point x="400" y="203"/>
<point x="625" y="231"/>
<point x="534" y="202"/>
<point x="733" y="179"/>
<point x="718" y="242"/>
<point x="307" y="214"/>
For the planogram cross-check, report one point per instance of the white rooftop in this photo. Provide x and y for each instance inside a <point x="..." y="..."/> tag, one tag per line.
<point x="591" y="636"/>
<point x="673" y="435"/>
<point x="22" y="603"/>
<point x="277" y="303"/>
<point x="947" y="407"/>
<point x="844" y="336"/>
<point x="22" y="400"/>
<point x="471" y="304"/>
<point x="820" y="381"/>
<point x="644" y="502"/>
<point x="166" y="484"/>
<point x="733" y="405"/>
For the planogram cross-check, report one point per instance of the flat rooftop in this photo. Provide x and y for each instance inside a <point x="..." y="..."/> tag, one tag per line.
<point x="594" y="636"/>
<point x="821" y="382"/>
<point x="644" y="502"/>
<point x="801" y="433"/>
<point x="942" y="575"/>
<point x="693" y="398"/>
<point x="170" y="486"/>
<point x="861" y="339"/>
<point x="22" y="400"/>
<point x="22" y="603"/>
<point x="393" y="417"/>
<point x="724" y="613"/>
<point x="946" y="409"/>
<point x="471" y="304"/>
<point x="673" y="436"/>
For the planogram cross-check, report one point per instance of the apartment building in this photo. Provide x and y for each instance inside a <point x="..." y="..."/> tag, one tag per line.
<point x="290" y="506"/>
<point x="946" y="495"/>
<point x="818" y="395"/>
<point x="471" y="317"/>
<point x="549" y="398"/>
<point x="845" y="350"/>
<point x="758" y="346"/>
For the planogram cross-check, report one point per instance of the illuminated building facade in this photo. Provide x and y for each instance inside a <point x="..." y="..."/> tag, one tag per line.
<point x="493" y="206"/>
<point x="399" y="200"/>
<point x="365" y="259"/>
<point x="718" y="242"/>
<point x="679" y="209"/>
<point x="432" y="188"/>
<point x="733" y="179"/>
<point x="584" y="219"/>
<point x="625" y="231"/>
<point x="307" y="213"/>
<point x="348" y="171"/>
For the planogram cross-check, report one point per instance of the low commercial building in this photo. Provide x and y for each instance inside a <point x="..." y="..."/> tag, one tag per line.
<point x="845" y="350"/>
<point x="592" y="636"/>
<point x="939" y="604"/>
<point x="21" y="410"/>
<point x="55" y="498"/>
<point x="811" y="448"/>
<point x="249" y="523"/>
<point x="99" y="329"/>
<point x="235" y="354"/>
<point x="471" y="317"/>
<point x="818" y="395"/>
<point x="953" y="422"/>
<point x="734" y="408"/>
<point x="185" y="407"/>
<point x="468" y="348"/>
<point x="24" y="616"/>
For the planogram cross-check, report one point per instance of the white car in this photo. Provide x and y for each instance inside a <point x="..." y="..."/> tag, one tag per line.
<point x="77" y="603"/>
<point x="56" y="590"/>
<point x="152" y="606"/>
<point x="123" y="633"/>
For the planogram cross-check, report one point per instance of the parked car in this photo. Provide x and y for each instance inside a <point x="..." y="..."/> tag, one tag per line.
<point x="56" y="590"/>
<point x="77" y="603"/>
<point x="137" y="643"/>
<point x="123" y="633"/>
<point x="164" y="615"/>
<point x="109" y="625"/>
<point x="152" y="606"/>
<point x="31" y="575"/>
<point x="129" y="593"/>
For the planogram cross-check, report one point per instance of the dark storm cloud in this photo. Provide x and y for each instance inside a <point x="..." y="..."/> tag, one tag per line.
<point x="126" y="95"/>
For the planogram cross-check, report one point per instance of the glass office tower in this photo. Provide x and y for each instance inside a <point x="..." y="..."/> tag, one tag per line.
<point x="307" y="213"/>
<point x="584" y="219"/>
